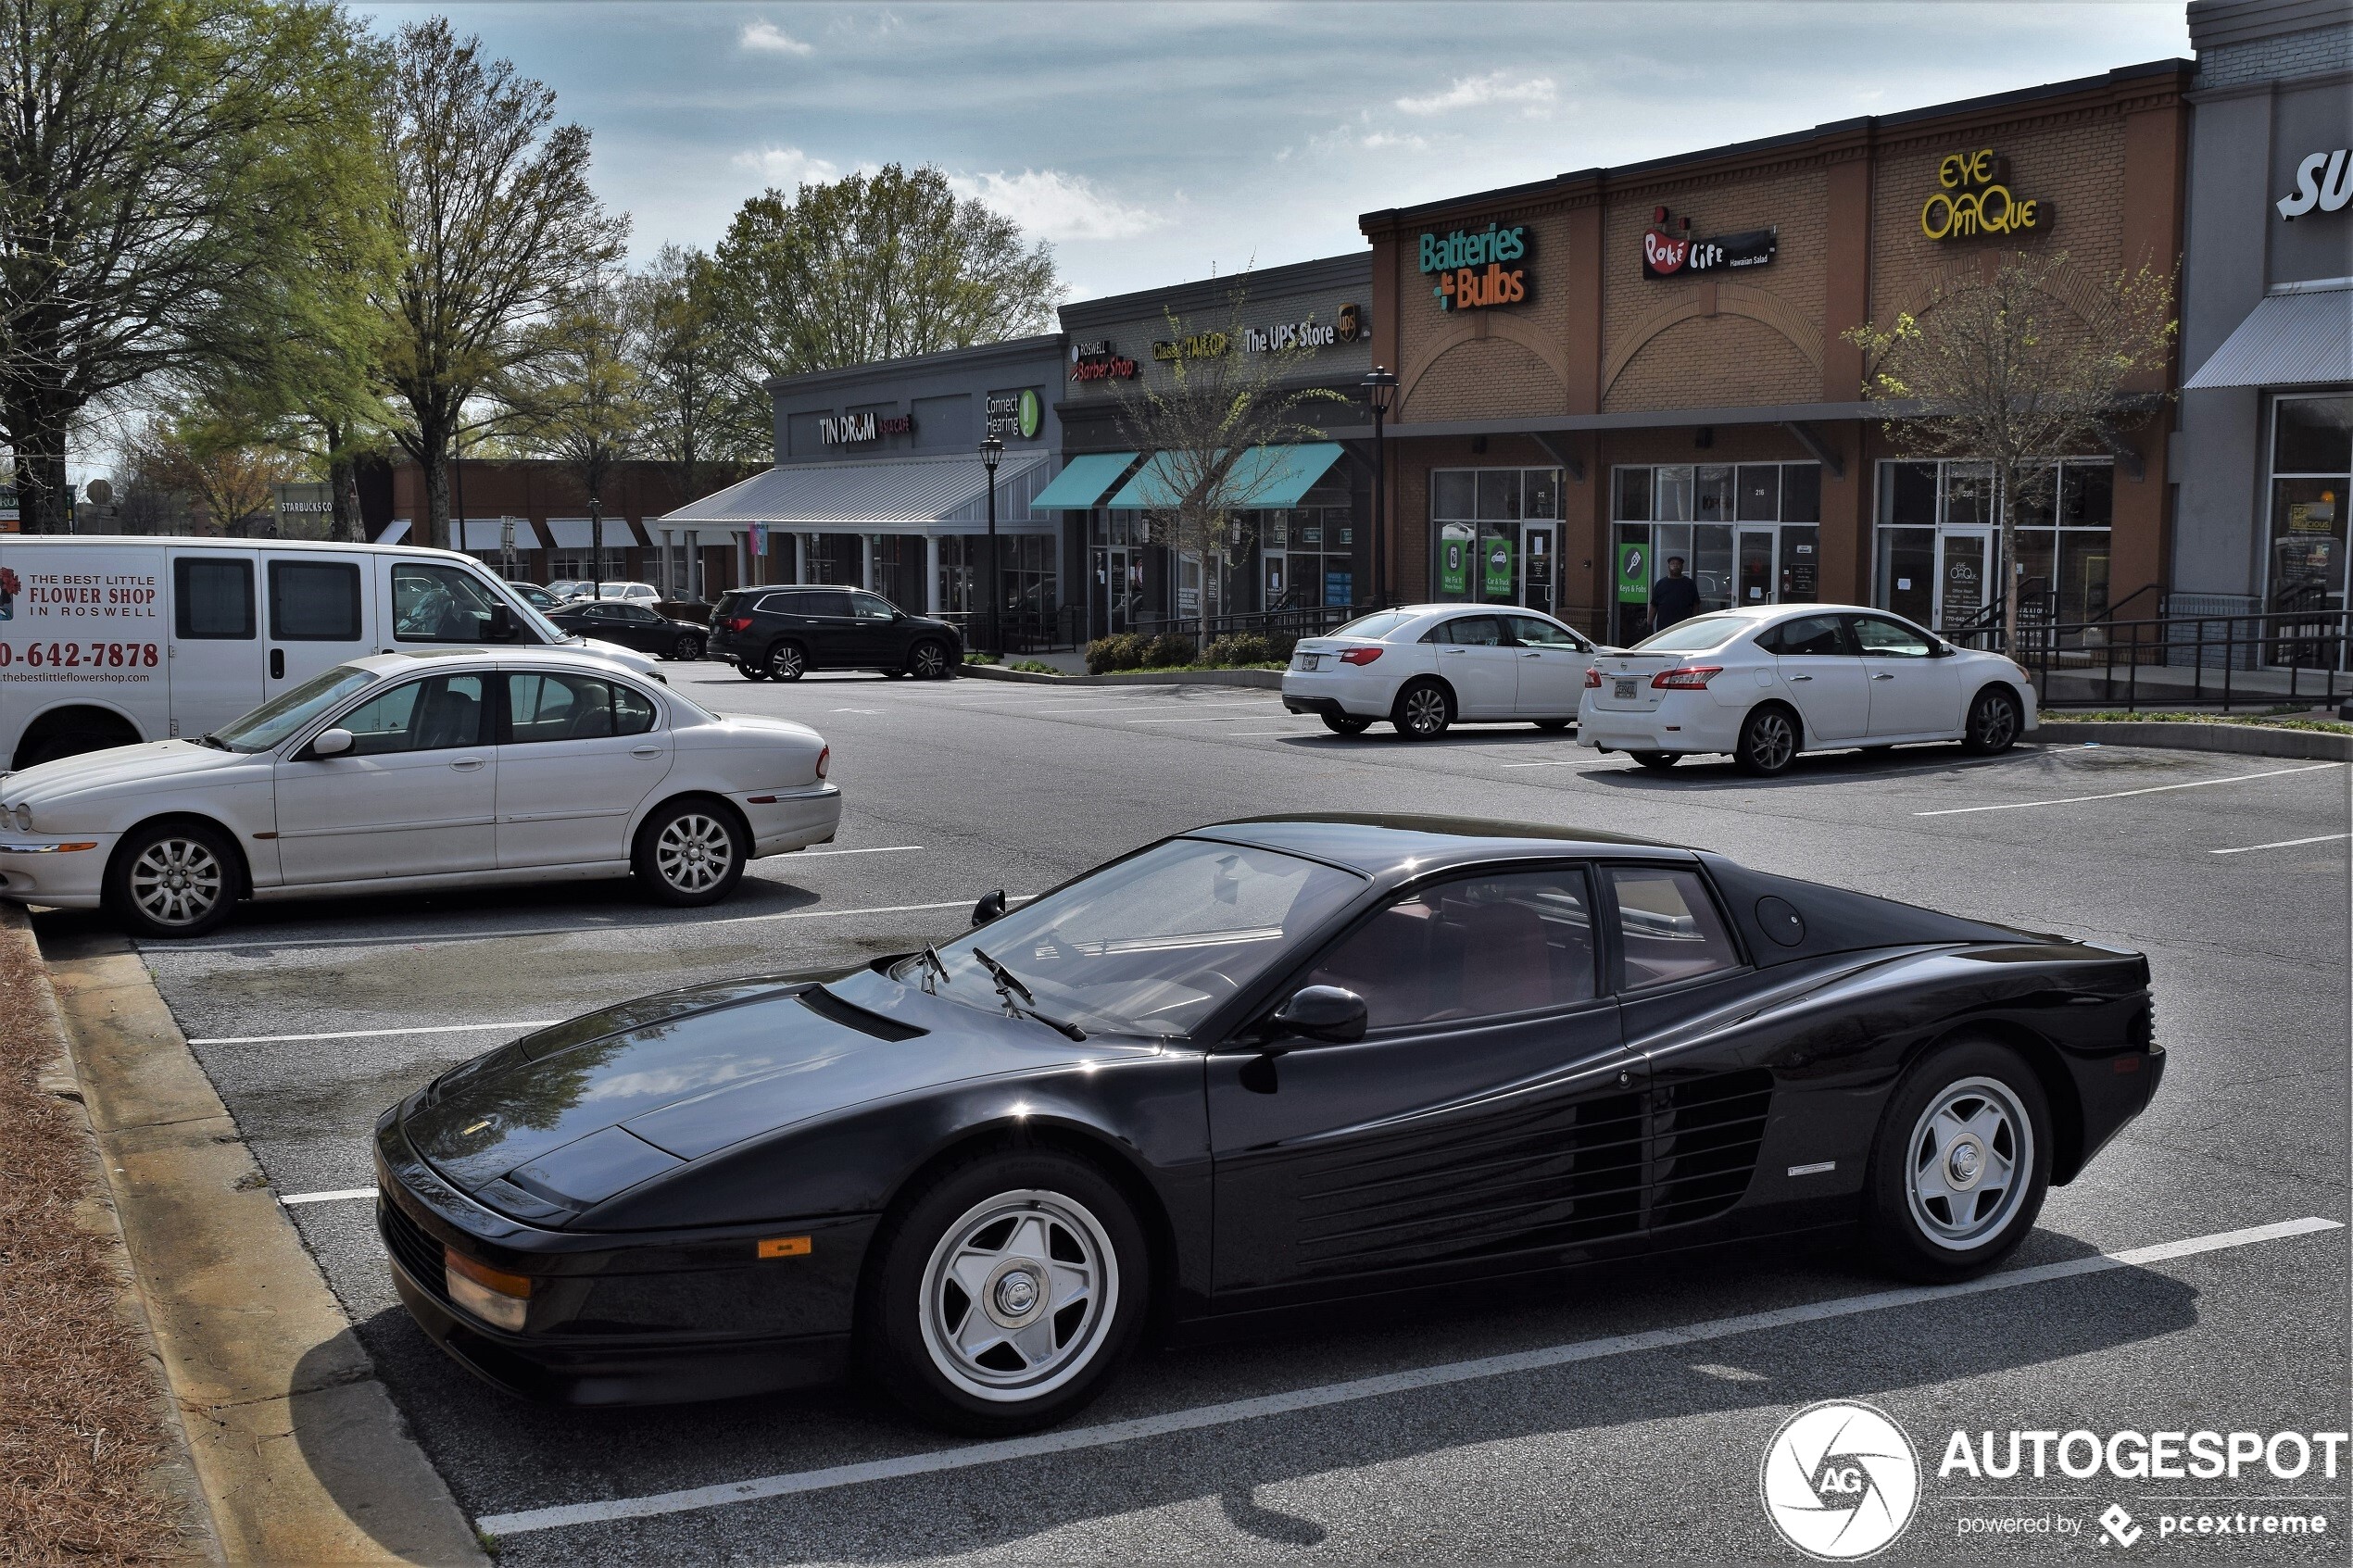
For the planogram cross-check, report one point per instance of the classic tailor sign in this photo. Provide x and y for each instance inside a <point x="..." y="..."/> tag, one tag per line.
<point x="848" y="429"/>
<point x="2324" y="180"/>
<point x="1478" y="268"/>
<point x="1974" y="197"/>
<point x="1199" y="345"/>
<point x="1668" y="251"/>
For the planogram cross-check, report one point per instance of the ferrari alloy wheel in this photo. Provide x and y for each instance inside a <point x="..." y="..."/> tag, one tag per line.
<point x="691" y="852"/>
<point x="1424" y="712"/>
<point x="1962" y="1162"/>
<point x="928" y="661"/>
<point x="1993" y="723"/>
<point x="688" y="648"/>
<point x="1767" y="743"/>
<point x="787" y="662"/>
<point x="1346" y="723"/>
<point x="1003" y="1295"/>
<point x="175" y="880"/>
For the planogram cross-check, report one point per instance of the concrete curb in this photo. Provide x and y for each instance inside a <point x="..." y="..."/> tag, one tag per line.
<point x="299" y="1451"/>
<point x="1270" y="680"/>
<point x="2244" y="740"/>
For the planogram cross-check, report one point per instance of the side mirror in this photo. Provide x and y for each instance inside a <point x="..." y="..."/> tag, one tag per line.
<point x="1323" y="1012"/>
<point x="990" y="906"/>
<point x="331" y="743"/>
<point x="502" y="624"/>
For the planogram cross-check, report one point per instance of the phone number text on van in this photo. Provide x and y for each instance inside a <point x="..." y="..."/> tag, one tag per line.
<point x="82" y="656"/>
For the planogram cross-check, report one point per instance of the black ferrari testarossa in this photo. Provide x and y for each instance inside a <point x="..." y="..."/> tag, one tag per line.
<point x="1251" y="1066"/>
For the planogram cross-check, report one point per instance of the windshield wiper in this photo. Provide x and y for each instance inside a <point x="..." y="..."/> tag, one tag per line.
<point x="214" y="740"/>
<point x="929" y="957"/>
<point x="1009" y="985"/>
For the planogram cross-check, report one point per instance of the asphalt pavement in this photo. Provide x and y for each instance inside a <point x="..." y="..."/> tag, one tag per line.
<point x="1628" y="1421"/>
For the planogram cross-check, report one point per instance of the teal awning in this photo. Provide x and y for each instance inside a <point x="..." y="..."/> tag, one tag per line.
<point x="1264" y="478"/>
<point x="1082" y="482"/>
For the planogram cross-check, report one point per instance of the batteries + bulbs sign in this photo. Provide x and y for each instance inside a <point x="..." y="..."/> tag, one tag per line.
<point x="1478" y="268"/>
<point x="1669" y="250"/>
<point x="1973" y="197"/>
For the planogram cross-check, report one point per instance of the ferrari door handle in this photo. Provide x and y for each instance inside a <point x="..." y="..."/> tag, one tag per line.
<point x="1882" y="676"/>
<point x="467" y="764"/>
<point x="645" y="751"/>
<point x="1796" y="678"/>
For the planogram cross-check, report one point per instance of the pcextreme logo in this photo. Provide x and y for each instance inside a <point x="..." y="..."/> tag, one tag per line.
<point x="1839" y="1480"/>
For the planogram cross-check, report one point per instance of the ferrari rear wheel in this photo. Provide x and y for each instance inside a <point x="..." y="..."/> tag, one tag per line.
<point x="1961" y="1164"/>
<point x="1004" y="1294"/>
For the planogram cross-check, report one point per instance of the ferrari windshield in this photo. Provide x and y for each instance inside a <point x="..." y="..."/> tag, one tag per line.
<point x="1152" y="945"/>
<point x="289" y="712"/>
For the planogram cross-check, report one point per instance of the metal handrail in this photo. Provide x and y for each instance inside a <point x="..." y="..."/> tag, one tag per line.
<point x="2101" y="663"/>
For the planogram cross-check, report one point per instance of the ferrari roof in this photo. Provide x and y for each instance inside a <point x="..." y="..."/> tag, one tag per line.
<point x="1378" y="842"/>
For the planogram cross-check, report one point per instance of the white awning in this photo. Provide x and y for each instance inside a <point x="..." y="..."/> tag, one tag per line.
<point x="945" y="493"/>
<point x="2298" y="337"/>
<point x="479" y="533"/>
<point x="572" y="533"/>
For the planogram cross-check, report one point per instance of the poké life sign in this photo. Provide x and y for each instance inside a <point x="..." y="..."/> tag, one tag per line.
<point x="1669" y="250"/>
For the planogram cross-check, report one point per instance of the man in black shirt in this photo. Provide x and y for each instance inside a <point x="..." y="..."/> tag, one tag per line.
<point x="1673" y="597"/>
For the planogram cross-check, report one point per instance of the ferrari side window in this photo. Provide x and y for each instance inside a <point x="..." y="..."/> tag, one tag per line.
<point x="1667" y="927"/>
<point x="1478" y="948"/>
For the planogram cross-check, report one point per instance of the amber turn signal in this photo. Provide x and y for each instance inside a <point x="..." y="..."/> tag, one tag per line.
<point x="785" y="1246"/>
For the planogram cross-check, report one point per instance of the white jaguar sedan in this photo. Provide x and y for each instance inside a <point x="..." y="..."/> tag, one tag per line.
<point x="1766" y="682"/>
<point x="1426" y="668"/>
<point x="461" y="767"/>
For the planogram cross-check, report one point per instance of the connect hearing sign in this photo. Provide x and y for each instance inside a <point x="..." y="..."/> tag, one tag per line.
<point x="1974" y="197"/>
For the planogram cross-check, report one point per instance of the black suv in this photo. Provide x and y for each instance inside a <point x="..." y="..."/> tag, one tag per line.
<point x="780" y="634"/>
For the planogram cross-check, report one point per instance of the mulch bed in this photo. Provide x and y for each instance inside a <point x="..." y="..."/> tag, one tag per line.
<point x="81" y="1422"/>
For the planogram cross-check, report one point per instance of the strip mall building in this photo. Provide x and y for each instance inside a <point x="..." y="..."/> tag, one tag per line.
<point x="1602" y="371"/>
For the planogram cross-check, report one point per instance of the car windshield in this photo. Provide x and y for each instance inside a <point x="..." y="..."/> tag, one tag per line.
<point x="1150" y="945"/>
<point x="1375" y="626"/>
<point x="1690" y="636"/>
<point x="289" y="712"/>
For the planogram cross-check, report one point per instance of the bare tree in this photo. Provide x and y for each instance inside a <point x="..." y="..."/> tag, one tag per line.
<point x="1206" y="414"/>
<point x="495" y="222"/>
<point x="166" y="168"/>
<point x="679" y="352"/>
<point x="577" y="398"/>
<point x="2017" y="362"/>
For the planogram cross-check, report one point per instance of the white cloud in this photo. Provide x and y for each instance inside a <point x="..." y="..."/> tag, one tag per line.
<point x="1055" y="206"/>
<point x="788" y="167"/>
<point x="767" y="38"/>
<point x="1535" y="95"/>
<point x="1397" y="139"/>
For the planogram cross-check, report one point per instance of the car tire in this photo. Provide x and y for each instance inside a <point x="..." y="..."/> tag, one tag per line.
<point x="1992" y="724"/>
<point x="687" y="648"/>
<point x="1657" y="761"/>
<point x="1346" y="723"/>
<point x="1425" y="711"/>
<point x="173" y="879"/>
<point x="751" y="670"/>
<point x="786" y="661"/>
<point x="1961" y="1164"/>
<point x="1555" y="725"/>
<point x="1004" y="1358"/>
<point x="691" y="852"/>
<point x="927" y="661"/>
<point x="1769" y="742"/>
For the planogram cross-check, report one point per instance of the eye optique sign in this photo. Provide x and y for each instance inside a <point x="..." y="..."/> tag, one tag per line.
<point x="1478" y="268"/>
<point x="1974" y="197"/>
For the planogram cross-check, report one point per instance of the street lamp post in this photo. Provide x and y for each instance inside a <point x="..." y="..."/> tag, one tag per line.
<point x="1381" y="390"/>
<point x="991" y="450"/>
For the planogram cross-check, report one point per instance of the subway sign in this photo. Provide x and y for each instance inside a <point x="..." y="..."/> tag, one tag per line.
<point x="1478" y="268"/>
<point x="1974" y="197"/>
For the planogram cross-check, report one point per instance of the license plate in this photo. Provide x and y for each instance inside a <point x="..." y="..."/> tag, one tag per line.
<point x="1308" y="661"/>
<point x="1625" y="691"/>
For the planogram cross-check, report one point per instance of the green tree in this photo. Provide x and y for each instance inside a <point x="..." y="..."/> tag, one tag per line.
<point x="166" y="168"/>
<point x="690" y="414"/>
<point x="495" y="225"/>
<point x="873" y="267"/>
<point x="578" y="397"/>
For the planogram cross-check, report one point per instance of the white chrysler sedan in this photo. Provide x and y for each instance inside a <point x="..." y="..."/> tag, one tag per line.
<point x="1426" y="668"/>
<point x="460" y="766"/>
<point x="1766" y="682"/>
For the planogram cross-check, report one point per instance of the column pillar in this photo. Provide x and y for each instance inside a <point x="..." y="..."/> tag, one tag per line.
<point x="931" y="574"/>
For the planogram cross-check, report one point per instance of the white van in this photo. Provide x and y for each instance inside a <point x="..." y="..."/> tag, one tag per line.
<point x="113" y="640"/>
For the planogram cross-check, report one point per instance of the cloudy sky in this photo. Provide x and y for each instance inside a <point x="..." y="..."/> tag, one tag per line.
<point x="1153" y="141"/>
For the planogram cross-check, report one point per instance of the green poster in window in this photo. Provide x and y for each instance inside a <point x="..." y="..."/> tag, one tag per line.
<point x="1497" y="559"/>
<point x="1454" y="563"/>
<point x="1633" y="574"/>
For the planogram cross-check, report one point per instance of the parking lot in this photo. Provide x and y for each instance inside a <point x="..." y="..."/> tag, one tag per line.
<point x="1633" y="1406"/>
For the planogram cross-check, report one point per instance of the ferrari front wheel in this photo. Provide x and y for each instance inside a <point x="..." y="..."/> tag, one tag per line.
<point x="1005" y="1293"/>
<point x="1961" y="1164"/>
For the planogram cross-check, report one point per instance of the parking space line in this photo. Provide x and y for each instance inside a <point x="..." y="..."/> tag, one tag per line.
<point x="877" y="849"/>
<point x="1210" y="718"/>
<point x="1553" y="762"/>
<point x="337" y="1197"/>
<point x="421" y="937"/>
<point x="373" y="1033"/>
<point x="2282" y="844"/>
<point x="1075" y="1439"/>
<point x="2120" y="793"/>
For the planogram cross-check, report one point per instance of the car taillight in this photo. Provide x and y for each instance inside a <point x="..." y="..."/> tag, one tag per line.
<point x="824" y="760"/>
<point x="1359" y="656"/>
<point x="1592" y="677"/>
<point x="1691" y="678"/>
<point x="739" y="624"/>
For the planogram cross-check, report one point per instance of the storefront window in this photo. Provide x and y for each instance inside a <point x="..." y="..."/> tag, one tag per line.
<point x="899" y="570"/>
<point x="1495" y="536"/>
<point x="2312" y="471"/>
<point x="1939" y="554"/>
<point x="1731" y="526"/>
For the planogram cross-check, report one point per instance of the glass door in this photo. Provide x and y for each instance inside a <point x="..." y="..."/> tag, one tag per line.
<point x="1963" y="575"/>
<point x="1755" y="557"/>
<point x="1540" y="570"/>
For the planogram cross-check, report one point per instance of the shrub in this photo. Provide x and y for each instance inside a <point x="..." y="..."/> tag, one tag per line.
<point x="1238" y="647"/>
<point x="1126" y="651"/>
<point x="1168" y="648"/>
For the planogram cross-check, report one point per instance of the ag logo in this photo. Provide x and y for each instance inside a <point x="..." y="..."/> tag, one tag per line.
<point x="1839" y="1480"/>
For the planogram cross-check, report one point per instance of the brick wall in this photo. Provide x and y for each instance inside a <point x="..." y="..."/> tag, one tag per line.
<point x="2262" y="59"/>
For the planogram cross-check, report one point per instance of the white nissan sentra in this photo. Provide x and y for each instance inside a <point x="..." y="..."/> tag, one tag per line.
<point x="1766" y="682"/>
<point x="1426" y="668"/>
<point x="458" y="767"/>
